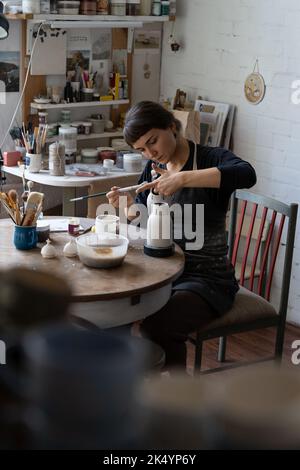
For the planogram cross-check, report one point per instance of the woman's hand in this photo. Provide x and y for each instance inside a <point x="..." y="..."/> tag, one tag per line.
<point x="114" y="195"/>
<point x="166" y="185"/>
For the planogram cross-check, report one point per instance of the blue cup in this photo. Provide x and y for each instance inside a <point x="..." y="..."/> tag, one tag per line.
<point x="25" y="238"/>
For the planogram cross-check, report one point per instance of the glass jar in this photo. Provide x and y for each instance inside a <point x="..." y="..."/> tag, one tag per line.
<point x="145" y="7"/>
<point x="118" y="7"/>
<point x="133" y="7"/>
<point x="102" y="7"/>
<point x="68" y="138"/>
<point x="43" y="117"/>
<point x="156" y="8"/>
<point x="165" y="8"/>
<point x="88" y="7"/>
<point x="65" y="116"/>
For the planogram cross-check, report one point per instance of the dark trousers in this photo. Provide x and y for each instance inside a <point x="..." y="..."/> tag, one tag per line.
<point x="184" y="313"/>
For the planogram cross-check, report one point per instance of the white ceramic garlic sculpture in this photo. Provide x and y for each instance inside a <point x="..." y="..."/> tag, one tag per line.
<point x="70" y="248"/>
<point x="48" y="250"/>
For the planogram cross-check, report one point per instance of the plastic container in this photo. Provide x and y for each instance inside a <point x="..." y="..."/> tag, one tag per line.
<point x="132" y="7"/>
<point x="87" y="126"/>
<point x="43" y="117"/>
<point x="87" y="94"/>
<point x="89" y="156"/>
<point x="79" y="126"/>
<point x="156" y="8"/>
<point x="42" y="231"/>
<point x="68" y="7"/>
<point x="118" y="7"/>
<point x="108" y="163"/>
<point x="145" y="7"/>
<point x="165" y="8"/>
<point x="132" y="162"/>
<point x="99" y="251"/>
<point x="56" y="159"/>
<point x="88" y="7"/>
<point x="68" y="138"/>
<point x="31" y="6"/>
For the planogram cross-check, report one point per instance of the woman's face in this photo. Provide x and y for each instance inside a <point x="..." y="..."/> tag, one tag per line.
<point x="157" y="144"/>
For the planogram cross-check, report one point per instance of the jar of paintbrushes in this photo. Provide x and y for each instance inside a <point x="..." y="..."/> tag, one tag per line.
<point x="56" y="159"/>
<point x="34" y="143"/>
<point x="25" y="219"/>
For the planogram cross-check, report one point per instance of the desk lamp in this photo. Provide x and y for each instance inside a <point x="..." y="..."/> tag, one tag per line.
<point x="4" y="24"/>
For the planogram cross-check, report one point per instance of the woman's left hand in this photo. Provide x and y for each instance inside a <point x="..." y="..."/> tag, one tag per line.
<point x="166" y="185"/>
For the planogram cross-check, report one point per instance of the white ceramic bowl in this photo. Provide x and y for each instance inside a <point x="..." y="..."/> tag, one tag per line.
<point x="42" y="100"/>
<point x="97" y="251"/>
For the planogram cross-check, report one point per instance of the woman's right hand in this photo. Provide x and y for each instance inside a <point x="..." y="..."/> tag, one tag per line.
<point x="113" y="197"/>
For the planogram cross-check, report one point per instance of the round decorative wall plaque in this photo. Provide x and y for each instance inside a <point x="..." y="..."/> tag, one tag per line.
<point x="254" y="86"/>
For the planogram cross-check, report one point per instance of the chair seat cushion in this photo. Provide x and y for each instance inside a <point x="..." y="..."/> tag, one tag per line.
<point x="247" y="307"/>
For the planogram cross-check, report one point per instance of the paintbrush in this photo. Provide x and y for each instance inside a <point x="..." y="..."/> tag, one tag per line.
<point x="34" y="203"/>
<point x="120" y="190"/>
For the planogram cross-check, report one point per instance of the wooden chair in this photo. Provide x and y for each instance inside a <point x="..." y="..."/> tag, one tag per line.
<point x="252" y="308"/>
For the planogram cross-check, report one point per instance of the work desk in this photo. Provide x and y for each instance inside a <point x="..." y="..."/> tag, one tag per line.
<point x="107" y="297"/>
<point x="69" y="183"/>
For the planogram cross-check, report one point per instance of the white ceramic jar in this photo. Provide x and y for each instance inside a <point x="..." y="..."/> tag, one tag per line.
<point x="132" y="162"/>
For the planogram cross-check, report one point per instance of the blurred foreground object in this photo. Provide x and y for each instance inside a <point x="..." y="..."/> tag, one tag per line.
<point x="257" y="408"/>
<point x="30" y="298"/>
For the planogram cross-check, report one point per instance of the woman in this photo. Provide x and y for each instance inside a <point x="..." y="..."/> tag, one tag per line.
<point x="191" y="174"/>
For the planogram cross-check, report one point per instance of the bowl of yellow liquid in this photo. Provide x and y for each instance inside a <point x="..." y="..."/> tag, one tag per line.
<point x="98" y="251"/>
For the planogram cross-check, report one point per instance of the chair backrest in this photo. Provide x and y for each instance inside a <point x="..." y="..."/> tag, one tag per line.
<point x="268" y="211"/>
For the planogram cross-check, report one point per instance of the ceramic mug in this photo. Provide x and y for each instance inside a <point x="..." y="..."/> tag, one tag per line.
<point x="107" y="224"/>
<point x="35" y="162"/>
<point x="25" y="238"/>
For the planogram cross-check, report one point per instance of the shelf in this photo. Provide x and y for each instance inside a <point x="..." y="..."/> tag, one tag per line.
<point x="18" y="16"/>
<point x="102" y="18"/>
<point x="82" y="104"/>
<point x="103" y="135"/>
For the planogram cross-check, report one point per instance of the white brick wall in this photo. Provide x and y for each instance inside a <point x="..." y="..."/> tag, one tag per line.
<point x="221" y="40"/>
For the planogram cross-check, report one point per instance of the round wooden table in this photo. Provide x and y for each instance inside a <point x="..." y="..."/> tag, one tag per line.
<point x="107" y="297"/>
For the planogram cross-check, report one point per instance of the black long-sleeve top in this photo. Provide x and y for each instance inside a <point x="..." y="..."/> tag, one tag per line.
<point x="208" y="271"/>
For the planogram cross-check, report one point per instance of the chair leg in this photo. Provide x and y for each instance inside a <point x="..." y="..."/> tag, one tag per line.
<point x="279" y="341"/>
<point x="222" y="348"/>
<point x="198" y="356"/>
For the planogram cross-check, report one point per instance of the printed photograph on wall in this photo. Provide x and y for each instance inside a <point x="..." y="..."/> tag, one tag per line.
<point x="101" y="44"/>
<point x="147" y="41"/>
<point x="77" y="61"/>
<point x="10" y="70"/>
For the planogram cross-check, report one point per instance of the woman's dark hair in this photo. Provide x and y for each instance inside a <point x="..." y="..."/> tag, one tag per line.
<point x="143" y="117"/>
